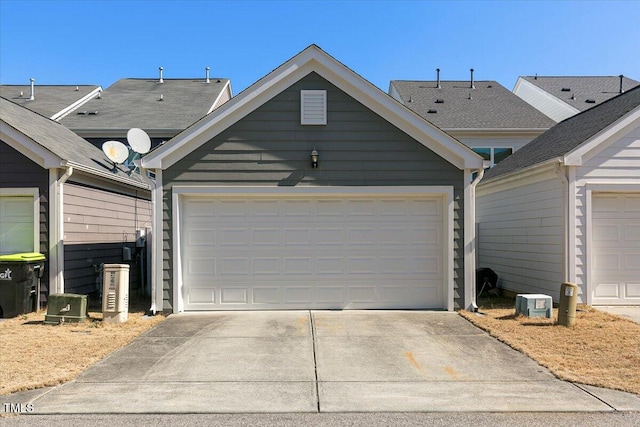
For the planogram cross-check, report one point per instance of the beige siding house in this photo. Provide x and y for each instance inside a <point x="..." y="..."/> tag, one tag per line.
<point x="567" y="208"/>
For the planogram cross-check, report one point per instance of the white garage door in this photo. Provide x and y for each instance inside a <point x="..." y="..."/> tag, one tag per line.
<point x="329" y="252"/>
<point x="616" y="249"/>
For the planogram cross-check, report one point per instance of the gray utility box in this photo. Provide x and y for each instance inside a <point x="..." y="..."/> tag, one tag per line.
<point x="62" y="308"/>
<point x="534" y="305"/>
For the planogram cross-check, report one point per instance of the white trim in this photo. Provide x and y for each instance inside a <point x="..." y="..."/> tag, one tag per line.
<point x="572" y="224"/>
<point x="598" y="142"/>
<point x="225" y="90"/>
<point x="157" y="242"/>
<point x="528" y="175"/>
<point x="69" y="109"/>
<point x="178" y="192"/>
<point x="28" y="147"/>
<point x="55" y="238"/>
<point x="310" y="60"/>
<point x="568" y="109"/>
<point x="28" y="192"/>
<point x="589" y="190"/>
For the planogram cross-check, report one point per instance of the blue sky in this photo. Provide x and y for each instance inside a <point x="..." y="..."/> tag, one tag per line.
<point x="99" y="42"/>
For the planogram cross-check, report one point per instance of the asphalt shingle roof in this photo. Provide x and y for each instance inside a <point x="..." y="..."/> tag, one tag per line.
<point x="57" y="139"/>
<point x="582" y="88"/>
<point x="568" y="134"/>
<point x="49" y="99"/>
<point x="136" y="103"/>
<point x="489" y="106"/>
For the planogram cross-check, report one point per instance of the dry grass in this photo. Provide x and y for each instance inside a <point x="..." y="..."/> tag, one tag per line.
<point x="34" y="355"/>
<point x="601" y="349"/>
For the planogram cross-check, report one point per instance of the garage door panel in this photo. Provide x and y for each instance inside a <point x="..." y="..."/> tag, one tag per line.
<point x="615" y="255"/>
<point x="333" y="252"/>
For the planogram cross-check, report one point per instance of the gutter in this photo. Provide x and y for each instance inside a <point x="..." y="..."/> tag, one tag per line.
<point x="153" y="309"/>
<point x="108" y="175"/>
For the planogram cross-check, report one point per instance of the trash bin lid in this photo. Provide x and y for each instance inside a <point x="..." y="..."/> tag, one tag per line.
<point x="22" y="257"/>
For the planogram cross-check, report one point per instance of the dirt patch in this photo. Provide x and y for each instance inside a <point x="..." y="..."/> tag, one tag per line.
<point x="35" y="355"/>
<point x="601" y="349"/>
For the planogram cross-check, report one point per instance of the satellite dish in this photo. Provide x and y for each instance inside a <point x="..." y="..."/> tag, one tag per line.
<point x="139" y="140"/>
<point x="116" y="151"/>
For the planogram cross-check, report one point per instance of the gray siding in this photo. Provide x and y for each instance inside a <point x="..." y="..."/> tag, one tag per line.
<point x="18" y="171"/>
<point x="97" y="224"/>
<point x="270" y="147"/>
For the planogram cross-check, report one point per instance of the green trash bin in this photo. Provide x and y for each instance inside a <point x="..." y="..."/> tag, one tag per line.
<point x="20" y="283"/>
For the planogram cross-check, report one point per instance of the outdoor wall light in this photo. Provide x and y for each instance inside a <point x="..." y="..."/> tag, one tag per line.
<point x="314" y="159"/>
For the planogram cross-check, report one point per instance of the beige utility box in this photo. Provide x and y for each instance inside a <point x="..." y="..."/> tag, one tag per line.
<point x="115" y="293"/>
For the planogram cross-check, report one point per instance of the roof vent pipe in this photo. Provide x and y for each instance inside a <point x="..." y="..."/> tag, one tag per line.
<point x="33" y="90"/>
<point x="160" y="70"/>
<point x="438" y="78"/>
<point x="621" y="77"/>
<point x="207" y="74"/>
<point x="472" y="85"/>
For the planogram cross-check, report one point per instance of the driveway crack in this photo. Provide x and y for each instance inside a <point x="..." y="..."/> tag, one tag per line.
<point x="315" y="362"/>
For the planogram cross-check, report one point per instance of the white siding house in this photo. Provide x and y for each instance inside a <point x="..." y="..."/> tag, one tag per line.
<point x="567" y="208"/>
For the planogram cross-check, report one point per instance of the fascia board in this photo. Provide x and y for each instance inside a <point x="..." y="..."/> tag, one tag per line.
<point x="225" y="115"/>
<point x="313" y="59"/>
<point x="495" y="131"/>
<point x="28" y="147"/>
<point x="67" y="110"/>
<point x="225" y="90"/>
<point x="598" y="142"/>
<point x="122" y="133"/>
<point x="521" y="174"/>
<point x="549" y="96"/>
<point x="397" y="114"/>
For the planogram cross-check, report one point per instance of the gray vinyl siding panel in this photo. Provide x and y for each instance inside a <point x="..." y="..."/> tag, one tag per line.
<point x="18" y="171"/>
<point x="97" y="224"/>
<point x="357" y="147"/>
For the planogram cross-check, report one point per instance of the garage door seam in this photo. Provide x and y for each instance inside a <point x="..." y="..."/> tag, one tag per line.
<point x="315" y="362"/>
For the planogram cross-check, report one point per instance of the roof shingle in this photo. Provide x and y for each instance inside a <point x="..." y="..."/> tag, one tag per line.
<point x="487" y="106"/>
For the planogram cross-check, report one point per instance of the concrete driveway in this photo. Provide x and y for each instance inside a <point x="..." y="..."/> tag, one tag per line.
<point x="324" y="361"/>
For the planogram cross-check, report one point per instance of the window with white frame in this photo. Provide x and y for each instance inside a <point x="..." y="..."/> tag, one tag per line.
<point x="494" y="154"/>
<point x="17" y="224"/>
<point x="313" y="107"/>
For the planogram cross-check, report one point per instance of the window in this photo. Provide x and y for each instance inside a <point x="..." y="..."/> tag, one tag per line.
<point x="313" y="107"/>
<point x="16" y="224"/>
<point x="493" y="154"/>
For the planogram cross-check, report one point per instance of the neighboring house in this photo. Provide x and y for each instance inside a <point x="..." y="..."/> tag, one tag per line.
<point x="102" y="207"/>
<point x="161" y="107"/>
<point x="244" y="221"/>
<point x="561" y="97"/>
<point x="566" y="207"/>
<point x="52" y="101"/>
<point x="484" y="115"/>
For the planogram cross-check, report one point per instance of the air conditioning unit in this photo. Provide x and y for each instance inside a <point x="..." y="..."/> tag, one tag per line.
<point x="115" y="293"/>
<point x="62" y="308"/>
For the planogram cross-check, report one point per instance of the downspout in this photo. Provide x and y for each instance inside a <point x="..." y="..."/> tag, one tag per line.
<point x="154" y="242"/>
<point x="58" y="229"/>
<point x="470" y="227"/>
<point x="565" y="205"/>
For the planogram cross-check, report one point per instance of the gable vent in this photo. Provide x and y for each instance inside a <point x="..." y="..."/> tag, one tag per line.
<point x="313" y="107"/>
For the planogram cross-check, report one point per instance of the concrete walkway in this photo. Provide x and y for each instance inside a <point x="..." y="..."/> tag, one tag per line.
<point x="344" y="361"/>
